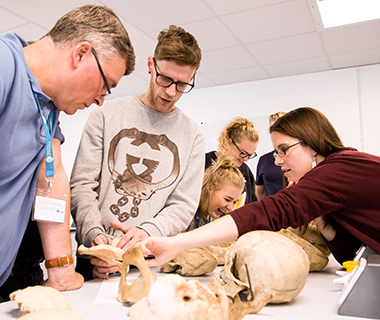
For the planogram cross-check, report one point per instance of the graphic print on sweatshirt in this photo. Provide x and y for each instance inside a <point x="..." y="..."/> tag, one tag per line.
<point x="142" y="169"/>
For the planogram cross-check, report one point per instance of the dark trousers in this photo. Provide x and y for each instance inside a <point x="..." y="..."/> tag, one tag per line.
<point x="84" y="267"/>
<point x="26" y="270"/>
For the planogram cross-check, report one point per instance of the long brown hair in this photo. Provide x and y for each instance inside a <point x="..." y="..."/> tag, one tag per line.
<point x="312" y="127"/>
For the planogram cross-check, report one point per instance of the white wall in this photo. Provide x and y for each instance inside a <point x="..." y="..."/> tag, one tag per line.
<point x="350" y="98"/>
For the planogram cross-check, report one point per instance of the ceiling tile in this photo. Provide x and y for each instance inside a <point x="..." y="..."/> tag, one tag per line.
<point x="42" y="12"/>
<point x="352" y="59"/>
<point x="211" y="34"/>
<point x="271" y="22"/>
<point x="287" y="49"/>
<point x="227" y="7"/>
<point x="152" y="16"/>
<point x="352" y="38"/>
<point x="9" y="21"/>
<point x="241" y="40"/>
<point x="226" y="59"/>
<point x="201" y="81"/>
<point x="298" y="67"/>
<point x="240" y="75"/>
<point x="142" y="43"/>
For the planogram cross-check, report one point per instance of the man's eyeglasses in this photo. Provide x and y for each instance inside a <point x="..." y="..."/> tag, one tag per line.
<point x="244" y="154"/>
<point x="103" y="76"/>
<point x="166" y="82"/>
<point x="281" y="152"/>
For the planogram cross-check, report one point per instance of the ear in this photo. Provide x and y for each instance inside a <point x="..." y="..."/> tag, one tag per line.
<point x="80" y="50"/>
<point x="211" y="187"/>
<point x="195" y="72"/>
<point x="150" y="65"/>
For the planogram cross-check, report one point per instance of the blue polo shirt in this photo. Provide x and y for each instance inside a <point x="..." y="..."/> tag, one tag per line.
<point x="22" y="145"/>
<point x="269" y="175"/>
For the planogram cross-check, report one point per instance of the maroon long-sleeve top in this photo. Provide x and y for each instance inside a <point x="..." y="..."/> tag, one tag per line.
<point x="345" y="187"/>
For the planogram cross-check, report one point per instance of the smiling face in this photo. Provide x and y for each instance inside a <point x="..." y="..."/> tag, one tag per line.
<point x="245" y="145"/>
<point x="298" y="159"/>
<point x="223" y="200"/>
<point x="163" y="99"/>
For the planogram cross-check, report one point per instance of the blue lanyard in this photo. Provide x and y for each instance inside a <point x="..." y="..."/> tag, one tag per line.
<point x="49" y="159"/>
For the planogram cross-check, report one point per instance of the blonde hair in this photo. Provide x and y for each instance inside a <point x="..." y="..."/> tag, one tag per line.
<point x="236" y="130"/>
<point x="220" y="172"/>
<point x="273" y="117"/>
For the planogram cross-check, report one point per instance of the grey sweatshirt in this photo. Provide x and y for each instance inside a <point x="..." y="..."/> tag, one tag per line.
<point x="138" y="167"/>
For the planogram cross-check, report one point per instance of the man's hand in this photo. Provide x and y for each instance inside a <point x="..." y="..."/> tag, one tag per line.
<point x="100" y="266"/>
<point x="132" y="235"/>
<point x="64" y="278"/>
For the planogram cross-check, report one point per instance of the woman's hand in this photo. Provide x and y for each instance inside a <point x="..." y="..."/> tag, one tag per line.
<point x="163" y="249"/>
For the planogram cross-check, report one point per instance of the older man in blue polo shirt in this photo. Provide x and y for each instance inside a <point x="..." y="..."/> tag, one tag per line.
<point x="73" y="66"/>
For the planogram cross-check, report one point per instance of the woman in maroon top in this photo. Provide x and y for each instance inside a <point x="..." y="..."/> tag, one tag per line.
<point x="334" y="186"/>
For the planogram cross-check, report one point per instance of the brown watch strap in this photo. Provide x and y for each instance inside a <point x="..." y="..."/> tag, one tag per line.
<point x="59" y="262"/>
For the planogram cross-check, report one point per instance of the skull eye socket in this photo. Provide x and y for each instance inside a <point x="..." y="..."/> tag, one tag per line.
<point x="186" y="298"/>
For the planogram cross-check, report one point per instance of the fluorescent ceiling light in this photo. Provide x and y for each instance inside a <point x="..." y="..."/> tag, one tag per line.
<point x="336" y="13"/>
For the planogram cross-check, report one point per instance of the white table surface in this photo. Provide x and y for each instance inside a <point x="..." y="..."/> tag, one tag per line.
<point x="317" y="300"/>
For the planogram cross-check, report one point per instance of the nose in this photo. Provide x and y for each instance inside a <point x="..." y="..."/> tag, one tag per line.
<point x="245" y="159"/>
<point x="99" y="101"/>
<point x="171" y="90"/>
<point x="230" y="206"/>
<point x="278" y="161"/>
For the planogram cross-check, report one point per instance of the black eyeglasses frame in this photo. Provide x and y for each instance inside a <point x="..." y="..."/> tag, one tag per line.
<point x="103" y="76"/>
<point x="281" y="152"/>
<point x="189" y="85"/>
<point x="243" y="154"/>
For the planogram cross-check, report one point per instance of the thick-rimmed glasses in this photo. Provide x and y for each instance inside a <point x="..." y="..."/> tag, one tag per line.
<point x="166" y="82"/>
<point x="281" y="152"/>
<point x="243" y="154"/>
<point x="103" y="76"/>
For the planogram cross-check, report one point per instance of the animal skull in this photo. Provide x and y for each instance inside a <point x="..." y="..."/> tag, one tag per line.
<point x="194" y="262"/>
<point x="44" y="303"/>
<point x="141" y="286"/>
<point x="197" y="261"/>
<point x="173" y="298"/>
<point x="38" y="297"/>
<point x="265" y="262"/>
<point x="219" y="251"/>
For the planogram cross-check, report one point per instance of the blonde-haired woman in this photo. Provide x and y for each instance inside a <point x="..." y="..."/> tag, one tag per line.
<point x="222" y="187"/>
<point x="239" y="140"/>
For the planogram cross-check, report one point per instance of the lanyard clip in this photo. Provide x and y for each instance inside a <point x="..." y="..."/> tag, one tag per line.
<point x="50" y="184"/>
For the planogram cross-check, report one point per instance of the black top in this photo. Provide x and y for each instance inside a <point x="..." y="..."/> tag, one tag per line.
<point x="247" y="173"/>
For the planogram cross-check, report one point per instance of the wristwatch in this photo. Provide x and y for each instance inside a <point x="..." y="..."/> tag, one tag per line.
<point x="59" y="262"/>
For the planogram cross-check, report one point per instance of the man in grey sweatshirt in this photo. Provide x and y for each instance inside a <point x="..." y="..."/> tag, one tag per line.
<point x="139" y="167"/>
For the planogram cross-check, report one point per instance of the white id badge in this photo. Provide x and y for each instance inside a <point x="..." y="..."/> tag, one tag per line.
<point x="49" y="206"/>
